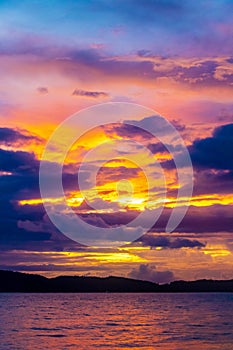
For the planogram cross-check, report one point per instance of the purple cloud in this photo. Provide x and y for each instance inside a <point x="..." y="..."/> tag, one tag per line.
<point x="148" y="272"/>
<point x="42" y="90"/>
<point x="94" y="94"/>
<point x="164" y="242"/>
<point x="214" y="152"/>
<point x="17" y="137"/>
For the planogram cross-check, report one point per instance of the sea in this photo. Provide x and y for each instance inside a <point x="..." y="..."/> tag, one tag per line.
<point x="116" y="321"/>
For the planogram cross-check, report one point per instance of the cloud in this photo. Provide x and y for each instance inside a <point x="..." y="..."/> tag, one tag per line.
<point x="23" y="180"/>
<point x="17" y="137"/>
<point x="107" y="175"/>
<point x="22" y="223"/>
<point x="146" y="130"/>
<point x="186" y="70"/>
<point x="14" y="236"/>
<point x="52" y="267"/>
<point x="28" y="228"/>
<point x="127" y="131"/>
<point x="18" y="161"/>
<point x="93" y="94"/>
<point x="42" y="90"/>
<point x="210" y="218"/>
<point x="24" y="226"/>
<point x="207" y="181"/>
<point x="214" y="152"/>
<point x="164" y="242"/>
<point x="146" y="272"/>
<point x="160" y="148"/>
<point x="94" y="220"/>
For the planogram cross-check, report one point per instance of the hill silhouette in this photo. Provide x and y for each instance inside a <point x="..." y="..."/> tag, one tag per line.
<point x="21" y="282"/>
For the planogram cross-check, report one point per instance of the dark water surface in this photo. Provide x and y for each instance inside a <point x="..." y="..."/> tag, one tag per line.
<point x="116" y="321"/>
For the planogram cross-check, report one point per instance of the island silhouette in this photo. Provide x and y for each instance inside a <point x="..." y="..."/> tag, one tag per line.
<point x="11" y="281"/>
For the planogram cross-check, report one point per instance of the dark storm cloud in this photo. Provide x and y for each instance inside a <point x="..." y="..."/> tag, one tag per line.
<point x="23" y="183"/>
<point x="148" y="272"/>
<point x="94" y="94"/>
<point x="24" y="226"/>
<point x="18" y="161"/>
<point x="28" y="228"/>
<point x="11" y="234"/>
<point x="214" y="152"/>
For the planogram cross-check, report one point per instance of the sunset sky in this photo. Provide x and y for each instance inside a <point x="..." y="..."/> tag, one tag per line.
<point x="172" y="57"/>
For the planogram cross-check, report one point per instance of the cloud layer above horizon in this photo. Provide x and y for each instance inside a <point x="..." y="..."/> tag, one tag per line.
<point x="172" y="56"/>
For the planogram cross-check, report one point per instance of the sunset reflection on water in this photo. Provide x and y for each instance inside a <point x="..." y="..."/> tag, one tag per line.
<point x="116" y="321"/>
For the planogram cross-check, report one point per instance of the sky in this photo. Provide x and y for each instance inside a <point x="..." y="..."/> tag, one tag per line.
<point x="120" y="67"/>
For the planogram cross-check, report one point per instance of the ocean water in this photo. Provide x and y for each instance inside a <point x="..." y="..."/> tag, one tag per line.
<point x="116" y="321"/>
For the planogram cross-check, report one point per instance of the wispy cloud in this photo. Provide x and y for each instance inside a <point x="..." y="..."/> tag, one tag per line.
<point x="93" y="94"/>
